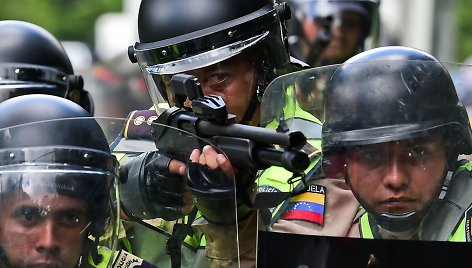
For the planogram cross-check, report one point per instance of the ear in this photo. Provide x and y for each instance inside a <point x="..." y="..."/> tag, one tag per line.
<point x="333" y="166"/>
<point x="451" y="156"/>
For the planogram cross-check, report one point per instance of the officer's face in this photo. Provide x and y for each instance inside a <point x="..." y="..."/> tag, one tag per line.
<point x="234" y="80"/>
<point x="345" y="35"/>
<point x="398" y="177"/>
<point x="42" y="232"/>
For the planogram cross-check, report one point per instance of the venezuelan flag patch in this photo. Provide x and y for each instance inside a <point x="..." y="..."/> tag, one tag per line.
<point x="308" y="206"/>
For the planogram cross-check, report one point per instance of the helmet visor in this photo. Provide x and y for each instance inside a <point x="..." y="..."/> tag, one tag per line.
<point x="214" y="44"/>
<point x="54" y="207"/>
<point x="20" y="79"/>
<point x="205" y="59"/>
<point x="210" y="46"/>
<point x="32" y="73"/>
<point x="355" y="101"/>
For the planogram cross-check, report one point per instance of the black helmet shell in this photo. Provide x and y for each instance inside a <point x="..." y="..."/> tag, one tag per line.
<point x="175" y="30"/>
<point x="41" y="107"/>
<point x="27" y="43"/>
<point x="164" y="19"/>
<point x="180" y="36"/>
<point x="33" y="61"/>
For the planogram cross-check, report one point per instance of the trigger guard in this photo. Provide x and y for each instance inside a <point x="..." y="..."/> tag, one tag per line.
<point x="214" y="194"/>
<point x="211" y="183"/>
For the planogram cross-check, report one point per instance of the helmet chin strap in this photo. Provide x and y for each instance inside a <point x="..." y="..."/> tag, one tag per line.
<point x="398" y="222"/>
<point x="250" y="109"/>
<point x="392" y="222"/>
<point x="262" y="80"/>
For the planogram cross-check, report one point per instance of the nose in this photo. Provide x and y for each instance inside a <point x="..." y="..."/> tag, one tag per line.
<point x="47" y="240"/>
<point x="395" y="175"/>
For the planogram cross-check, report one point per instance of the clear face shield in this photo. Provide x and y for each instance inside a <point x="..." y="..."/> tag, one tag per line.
<point x="323" y="32"/>
<point x="59" y="203"/>
<point x="370" y="150"/>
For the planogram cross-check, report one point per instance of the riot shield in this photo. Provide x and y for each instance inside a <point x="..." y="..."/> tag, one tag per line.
<point x="65" y="204"/>
<point x="178" y="241"/>
<point x="322" y="222"/>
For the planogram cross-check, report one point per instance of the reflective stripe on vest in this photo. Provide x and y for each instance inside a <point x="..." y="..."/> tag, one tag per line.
<point x="366" y="230"/>
<point x="364" y="227"/>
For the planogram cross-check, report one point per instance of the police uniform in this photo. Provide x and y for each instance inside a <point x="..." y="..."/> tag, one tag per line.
<point x="340" y="207"/>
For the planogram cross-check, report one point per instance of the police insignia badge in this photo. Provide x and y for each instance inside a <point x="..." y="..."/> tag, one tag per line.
<point x="307" y="206"/>
<point x="468" y="225"/>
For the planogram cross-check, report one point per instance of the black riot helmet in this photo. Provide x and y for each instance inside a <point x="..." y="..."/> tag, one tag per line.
<point x="50" y="147"/>
<point x="367" y="9"/>
<point x="182" y="35"/>
<point x="391" y="94"/>
<point x="33" y="61"/>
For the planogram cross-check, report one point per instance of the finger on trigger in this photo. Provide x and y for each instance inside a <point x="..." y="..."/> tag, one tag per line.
<point x="195" y="155"/>
<point x="175" y="166"/>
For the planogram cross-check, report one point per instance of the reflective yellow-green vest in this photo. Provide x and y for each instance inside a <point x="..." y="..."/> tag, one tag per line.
<point x="276" y="179"/>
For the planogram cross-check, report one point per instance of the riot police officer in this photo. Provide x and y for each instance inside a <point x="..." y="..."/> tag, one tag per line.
<point x="234" y="49"/>
<point x="56" y="177"/>
<point x="394" y="129"/>
<point x="325" y="32"/>
<point x="34" y="61"/>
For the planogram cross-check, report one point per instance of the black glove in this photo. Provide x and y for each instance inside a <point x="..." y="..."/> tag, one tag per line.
<point x="214" y="193"/>
<point x="148" y="190"/>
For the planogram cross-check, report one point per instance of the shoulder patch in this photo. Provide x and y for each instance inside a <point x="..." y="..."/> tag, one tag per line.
<point x="468" y="225"/>
<point x="308" y="206"/>
<point x="139" y="123"/>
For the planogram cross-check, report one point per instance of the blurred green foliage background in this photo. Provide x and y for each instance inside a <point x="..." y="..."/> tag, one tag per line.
<point x="464" y="29"/>
<point x="65" y="19"/>
<point x="74" y="19"/>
